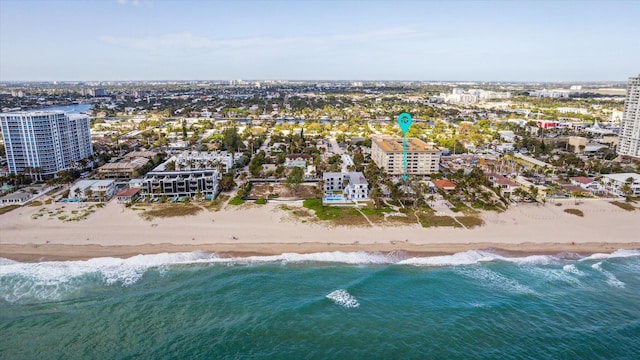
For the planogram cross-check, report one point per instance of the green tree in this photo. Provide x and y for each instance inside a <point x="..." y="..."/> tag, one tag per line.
<point x="231" y="139"/>
<point x="170" y="165"/>
<point x="295" y="178"/>
<point x="226" y="182"/>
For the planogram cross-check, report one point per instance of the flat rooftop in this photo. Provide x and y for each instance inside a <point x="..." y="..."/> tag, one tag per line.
<point x="395" y="145"/>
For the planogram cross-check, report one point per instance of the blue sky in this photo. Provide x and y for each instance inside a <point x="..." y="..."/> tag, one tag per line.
<point x="367" y="40"/>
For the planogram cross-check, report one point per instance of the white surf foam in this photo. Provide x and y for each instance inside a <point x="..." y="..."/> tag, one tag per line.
<point x="571" y="268"/>
<point x="495" y="280"/>
<point x="616" y="254"/>
<point x="471" y="257"/>
<point x="462" y="258"/>
<point x="4" y="261"/>
<point x="553" y="274"/>
<point x="611" y="279"/>
<point x="53" y="280"/>
<point x="343" y="298"/>
<point x="360" y="257"/>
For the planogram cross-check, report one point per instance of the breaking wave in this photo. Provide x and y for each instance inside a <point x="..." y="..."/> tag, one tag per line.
<point x="475" y="257"/>
<point x="57" y="280"/>
<point x="611" y="279"/>
<point x="495" y="280"/>
<point x="343" y="298"/>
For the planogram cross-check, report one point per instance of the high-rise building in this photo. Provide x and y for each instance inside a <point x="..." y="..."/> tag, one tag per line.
<point x="41" y="143"/>
<point x="629" y="144"/>
<point x="422" y="158"/>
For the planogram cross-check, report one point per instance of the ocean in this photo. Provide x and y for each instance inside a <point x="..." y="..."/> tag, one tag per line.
<point x="471" y="305"/>
<point x="70" y="109"/>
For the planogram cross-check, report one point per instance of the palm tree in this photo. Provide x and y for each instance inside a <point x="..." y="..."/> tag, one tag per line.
<point x="533" y="190"/>
<point x="519" y="193"/>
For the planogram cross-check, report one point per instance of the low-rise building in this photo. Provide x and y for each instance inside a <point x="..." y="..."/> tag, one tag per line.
<point x="181" y="183"/>
<point x="125" y="169"/>
<point x="16" y="198"/>
<point x="221" y="160"/>
<point x="615" y="183"/>
<point x="504" y="184"/>
<point x="578" y="144"/>
<point x="352" y="186"/>
<point x="586" y="183"/>
<point x="444" y="184"/>
<point x="92" y="190"/>
<point x="299" y="160"/>
<point x="127" y="195"/>
<point x="530" y="162"/>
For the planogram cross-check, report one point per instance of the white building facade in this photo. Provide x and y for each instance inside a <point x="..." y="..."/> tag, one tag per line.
<point x="45" y="141"/>
<point x="614" y="183"/>
<point x="92" y="190"/>
<point x="352" y="185"/>
<point x="629" y="144"/>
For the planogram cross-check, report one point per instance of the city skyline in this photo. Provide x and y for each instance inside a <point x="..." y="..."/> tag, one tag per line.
<point x="355" y="40"/>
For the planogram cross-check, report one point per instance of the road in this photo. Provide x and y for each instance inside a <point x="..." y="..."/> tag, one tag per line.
<point x="335" y="148"/>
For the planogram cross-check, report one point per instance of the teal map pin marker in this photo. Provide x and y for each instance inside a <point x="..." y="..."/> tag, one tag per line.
<point x="404" y="121"/>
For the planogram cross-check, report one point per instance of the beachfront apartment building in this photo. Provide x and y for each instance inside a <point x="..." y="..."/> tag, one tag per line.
<point x="221" y="160"/>
<point x="422" y="158"/>
<point x="42" y="143"/>
<point x="614" y="183"/>
<point x="352" y="185"/>
<point x="185" y="175"/>
<point x="180" y="183"/>
<point x="629" y="138"/>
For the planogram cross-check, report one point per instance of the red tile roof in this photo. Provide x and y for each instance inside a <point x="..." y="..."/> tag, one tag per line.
<point x="444" y="184"/>
<point x="582" y="180"/>
<point x="127" y="192"/>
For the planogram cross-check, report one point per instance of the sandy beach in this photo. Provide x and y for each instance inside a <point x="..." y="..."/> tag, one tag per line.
<point x="263" y="230"/>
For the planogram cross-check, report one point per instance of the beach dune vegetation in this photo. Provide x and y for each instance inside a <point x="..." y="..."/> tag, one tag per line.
<point x="576" y="212"/>
<point x="173" y="210"/>
<point x="6" y="209"/>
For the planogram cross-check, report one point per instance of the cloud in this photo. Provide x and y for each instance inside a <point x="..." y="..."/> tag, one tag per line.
<point x="187" y="41"/>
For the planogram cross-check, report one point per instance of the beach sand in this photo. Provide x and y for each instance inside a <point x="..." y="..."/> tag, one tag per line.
<point x="261" y="230"/>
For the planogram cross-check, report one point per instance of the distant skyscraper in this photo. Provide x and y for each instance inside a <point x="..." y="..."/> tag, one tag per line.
<point x="44" y="142"/>
<point x="629" y="144"/>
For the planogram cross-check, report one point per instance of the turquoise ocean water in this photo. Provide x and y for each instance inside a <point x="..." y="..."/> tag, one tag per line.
<point x="471" y="305"/>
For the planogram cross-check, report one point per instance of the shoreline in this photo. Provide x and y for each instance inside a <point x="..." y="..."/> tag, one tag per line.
<point x="62" y="252"/>
<point x="39" y="234"/>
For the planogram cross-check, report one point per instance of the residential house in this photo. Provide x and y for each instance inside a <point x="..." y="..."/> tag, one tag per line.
<point x="299" y="160"/>
<point x="92" y="190"/>
<point x="127" y="195"/>
<point x="444" y="184"/>
<point x="588" y="184"/>
<point x="504" y="184"/>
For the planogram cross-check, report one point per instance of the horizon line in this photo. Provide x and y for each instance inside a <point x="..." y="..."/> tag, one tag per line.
<point x="317" y="80"/>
